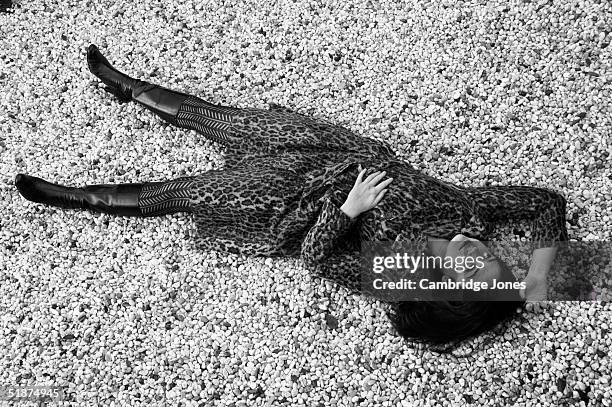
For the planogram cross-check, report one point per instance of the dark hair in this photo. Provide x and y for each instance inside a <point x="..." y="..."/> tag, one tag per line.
<point x="451" y="322"/>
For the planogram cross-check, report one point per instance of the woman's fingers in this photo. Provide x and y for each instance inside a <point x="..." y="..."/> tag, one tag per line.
<point x="371" y="176"/>
<point x="360" y="176"/>
<point x="377" y="178"/>
<point x="380" y="196"/>
<point x="383" y="185"/>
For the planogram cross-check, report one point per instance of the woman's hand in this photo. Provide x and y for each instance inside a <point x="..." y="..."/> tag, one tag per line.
<point x="536" y="288"/>
<point x="366" y="194"/>
<point x="536" y="280"/>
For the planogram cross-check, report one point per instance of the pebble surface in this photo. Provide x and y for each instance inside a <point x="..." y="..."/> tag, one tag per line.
<point x="124" y="311"/>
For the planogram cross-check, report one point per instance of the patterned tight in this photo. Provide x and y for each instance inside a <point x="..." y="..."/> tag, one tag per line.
<point x="166" y="197"/>
<point x="213" y="121"/>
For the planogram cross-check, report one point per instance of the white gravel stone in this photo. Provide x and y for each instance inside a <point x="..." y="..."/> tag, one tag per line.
<point x="124" y="311"/>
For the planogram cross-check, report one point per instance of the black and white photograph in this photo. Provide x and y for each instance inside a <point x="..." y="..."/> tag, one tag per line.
<point x="306" y="203"/>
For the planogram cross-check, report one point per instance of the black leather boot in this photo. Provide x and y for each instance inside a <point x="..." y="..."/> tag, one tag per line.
<point x="5" y="5"/>
<point x="116" y="199"/>
<point x="164" y="102"/>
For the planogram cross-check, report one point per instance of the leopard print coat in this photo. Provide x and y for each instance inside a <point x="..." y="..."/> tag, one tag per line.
<point x="286" y="176"/>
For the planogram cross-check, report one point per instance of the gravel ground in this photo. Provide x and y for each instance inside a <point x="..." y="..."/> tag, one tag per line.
<point x="124" y="311"/>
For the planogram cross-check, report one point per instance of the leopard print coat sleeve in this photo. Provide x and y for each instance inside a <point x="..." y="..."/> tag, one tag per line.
<point x="331" y="248"/>
<point x="323" y="238"/>
<point x="543" y="209"/>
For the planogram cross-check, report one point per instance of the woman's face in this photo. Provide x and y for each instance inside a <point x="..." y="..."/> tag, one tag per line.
<point x="484" y="266"/>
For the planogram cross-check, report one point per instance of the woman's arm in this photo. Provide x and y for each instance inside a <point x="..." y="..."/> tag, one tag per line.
<point x="545" y="209"/>
<point x="335" y="219"/>
<point x="327" y="251"/>
<point x="322" y="238"/>
<point x="537" y="277"/>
